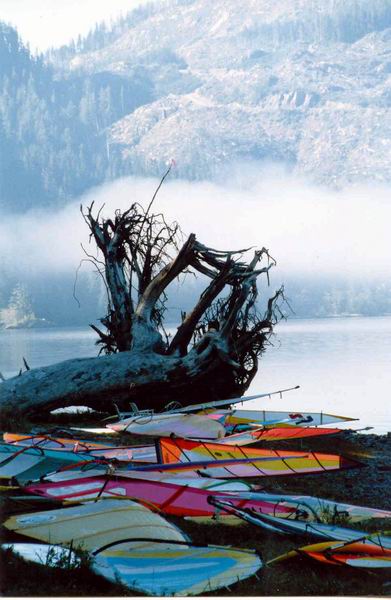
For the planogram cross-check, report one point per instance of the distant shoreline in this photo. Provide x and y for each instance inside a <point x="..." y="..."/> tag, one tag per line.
<point x="42" y="326"/>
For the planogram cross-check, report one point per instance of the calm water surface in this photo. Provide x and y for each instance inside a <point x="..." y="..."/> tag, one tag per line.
<point x="342" y="365"/>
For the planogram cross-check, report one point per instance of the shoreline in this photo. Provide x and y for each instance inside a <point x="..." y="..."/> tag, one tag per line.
<point x="174" y="324"/>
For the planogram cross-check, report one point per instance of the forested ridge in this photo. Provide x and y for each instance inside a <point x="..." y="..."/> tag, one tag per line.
<point x="52" y="141"/>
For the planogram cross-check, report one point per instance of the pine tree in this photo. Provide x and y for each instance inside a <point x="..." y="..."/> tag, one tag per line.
<point x="19" y="311"/>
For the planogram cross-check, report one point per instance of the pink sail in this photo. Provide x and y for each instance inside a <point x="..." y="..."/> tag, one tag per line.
<point x="170" y="498"/>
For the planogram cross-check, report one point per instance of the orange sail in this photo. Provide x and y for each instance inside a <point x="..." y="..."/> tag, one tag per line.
<point x="367" y="553"/>
<point x="250" y="462"/>
<point x="275" y="434"/>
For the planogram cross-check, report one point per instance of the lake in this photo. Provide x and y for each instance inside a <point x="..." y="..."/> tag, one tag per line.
<point x="342" y="365"/>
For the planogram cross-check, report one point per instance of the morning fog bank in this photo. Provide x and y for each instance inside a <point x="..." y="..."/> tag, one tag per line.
<point x="330" y="246"/>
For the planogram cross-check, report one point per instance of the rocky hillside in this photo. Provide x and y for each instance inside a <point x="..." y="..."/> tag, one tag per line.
<point x="306" y="82"/>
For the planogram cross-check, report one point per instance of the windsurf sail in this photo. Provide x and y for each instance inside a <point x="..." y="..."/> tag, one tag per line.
<point x="162" y="569"/>
<point x="189" y="478"/>
<point x="275" y="434"/>
<point x="268" y="418"/>
<point x="147" y="565"/>
<point x="183" y="425"/>
<point x="181" y="498"/>
<point x="320" y="510"/>
<point x="247" y="462"/>
<point x="14" y="461"/>
<point x="322" y="531"/>
<point x="91" y="526"/>
<point x="367" y="553"/>
<point x="28" y="463"/>
<point x="48" y="443"/>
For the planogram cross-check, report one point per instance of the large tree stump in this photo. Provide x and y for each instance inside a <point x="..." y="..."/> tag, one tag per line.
<point x="214" y="353"/>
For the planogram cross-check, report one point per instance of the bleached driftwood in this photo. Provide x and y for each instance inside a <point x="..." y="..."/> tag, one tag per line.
<point x="214" y="353"/>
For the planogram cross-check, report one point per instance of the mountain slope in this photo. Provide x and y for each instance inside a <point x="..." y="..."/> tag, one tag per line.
<point x="301" y="81"/>
<point x="52" y="128"/>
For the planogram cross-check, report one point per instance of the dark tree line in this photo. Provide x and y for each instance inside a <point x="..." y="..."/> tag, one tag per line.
<point x="53" y="142"/>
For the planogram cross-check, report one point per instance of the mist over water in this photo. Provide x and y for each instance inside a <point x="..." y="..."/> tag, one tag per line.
<point x="311" y="231"/>
<point x="332" y="247"/>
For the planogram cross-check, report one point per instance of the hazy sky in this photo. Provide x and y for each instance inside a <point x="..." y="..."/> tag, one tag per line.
<point x="45" y="23"/>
